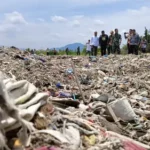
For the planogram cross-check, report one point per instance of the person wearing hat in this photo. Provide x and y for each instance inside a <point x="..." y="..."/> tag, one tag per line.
<point x="110" y="43"/>
<point x="103" y="40"/>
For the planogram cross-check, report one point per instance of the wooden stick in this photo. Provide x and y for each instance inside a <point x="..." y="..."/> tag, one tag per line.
<point x="114" y="116"/>
<point x="77" y="81"/>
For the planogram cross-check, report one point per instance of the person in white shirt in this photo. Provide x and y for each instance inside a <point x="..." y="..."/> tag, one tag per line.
<point x="88" y="48"/>
<point x="94" y="44"/>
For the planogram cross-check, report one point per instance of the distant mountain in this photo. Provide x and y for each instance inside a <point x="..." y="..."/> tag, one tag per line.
<point x="23" y="49"/>
<point x="71" y="46"/>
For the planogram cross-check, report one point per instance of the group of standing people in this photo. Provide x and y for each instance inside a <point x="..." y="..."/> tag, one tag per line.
<point x="111" y="44"/>
<point x="134" y="42"/>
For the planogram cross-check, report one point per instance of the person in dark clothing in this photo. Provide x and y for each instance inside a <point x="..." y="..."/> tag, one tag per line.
<point x="67" y="51"/>
<point x="116" y="42"/>
<point x="47" y="52"/>
<point x="110" y="43"/>
<point x="54" y="52"/>
<point x="103" y="41"/>
<point x="78" y="51"/>
<point x="128" y="36"/>
<point x="32" y="51"/>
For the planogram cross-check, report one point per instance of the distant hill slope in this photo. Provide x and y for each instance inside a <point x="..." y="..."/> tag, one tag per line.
<point x="72" y="46"/>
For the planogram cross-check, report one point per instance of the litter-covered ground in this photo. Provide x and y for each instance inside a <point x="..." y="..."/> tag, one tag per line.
<point x="76" y="103"/>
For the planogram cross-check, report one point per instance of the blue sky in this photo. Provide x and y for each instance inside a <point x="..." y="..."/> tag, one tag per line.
<point x="54" y="23"/>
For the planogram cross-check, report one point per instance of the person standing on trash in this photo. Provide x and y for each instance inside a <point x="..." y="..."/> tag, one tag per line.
<point x="34" y="51"/>
<point x="67" y="51"/>
<point x="94" y="44"/>
<point x="103" y="40"/>
<point x="78" y="50"/>
<point x="116" y="42"/>
<point x="54" y="52"/>
<point x="134" y="42"/>
<point x="143" y="45"/>
<point x="88" y="48"/>
<point x="110" y="43"/>
<point x="47" y="51"/>
<point x="128" y="36"/>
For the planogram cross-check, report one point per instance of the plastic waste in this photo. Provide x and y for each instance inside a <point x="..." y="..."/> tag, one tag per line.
<point x="17" y="145"/>
<point x="123" y="109"/>
<point x="137" y="97"/>
<point x="49" y="148"/>
<point x="26" y="59"/>
<point x="76" y="96"/>
<point x="91" y="140"/>
<point x="83" y="107"/>
<point x="64" y="95"/>
<point x="69" y="71"/>
<point x="132" y="146"/>
<point x="93" y="58"/>
<point x="85" y="81"/>
<point x="144" y="93"/>
<point x="102" y="98"/>
<point x="94" y="96"/>
<point x="19" y="57"/>
<point x="144" y="98"/>
<point x="54" y="148"/>
<point x="42" y="60"/>
<point x="73" y="136"/>
<point x="88" y="65"/>
<point x="58" y="85"/>
<point x="42" y="148"/>
<point x="105" y="56"/>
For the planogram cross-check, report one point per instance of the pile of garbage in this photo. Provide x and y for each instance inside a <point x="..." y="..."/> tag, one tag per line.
<point x="76" y="103"/>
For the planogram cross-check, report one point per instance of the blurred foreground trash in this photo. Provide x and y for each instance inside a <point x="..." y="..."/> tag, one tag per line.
<point x="96" y="103"/>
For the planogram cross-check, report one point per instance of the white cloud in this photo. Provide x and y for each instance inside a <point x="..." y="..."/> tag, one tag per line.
<point x="58" y="19"/>
<point x="124" y="30"/>
<point x="98" y="22"/>
<point x="41" y="19"/>
<point x="91" y="30"/>
<point x="143" y="11"/>
<point x="82" y="34"/>
<point x="55" y="35"/>
<point x="78" y="17"/>
<point x="75" y="23"/>
<point x="11" y="25"/>
<point x="15" y="18"/>
<point x="92" y="2"/>
<point x="6" y="28"/>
